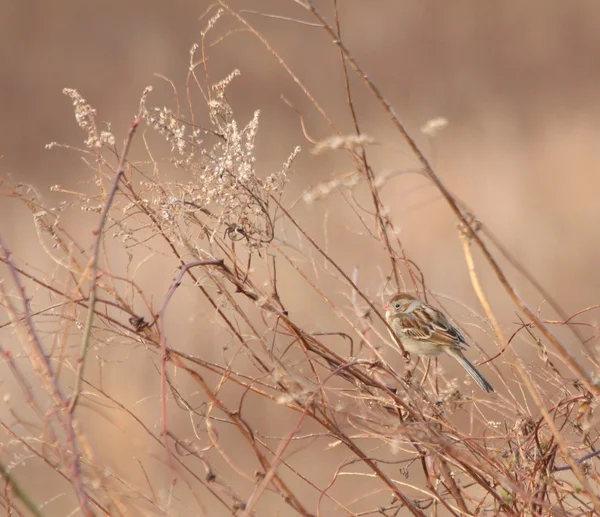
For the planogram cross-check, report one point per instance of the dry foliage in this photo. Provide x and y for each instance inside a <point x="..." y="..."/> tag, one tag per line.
<point x="235" y="428"/>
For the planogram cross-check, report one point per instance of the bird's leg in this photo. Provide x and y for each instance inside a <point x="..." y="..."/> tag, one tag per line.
<point x="425" y="374"/>
<point x="410" y="372"/>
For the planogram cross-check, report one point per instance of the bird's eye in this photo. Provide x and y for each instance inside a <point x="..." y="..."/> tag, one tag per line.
<point x="396" y="306"/>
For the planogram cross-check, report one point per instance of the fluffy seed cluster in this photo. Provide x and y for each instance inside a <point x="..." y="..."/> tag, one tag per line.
<point x="85" y="116"/>
<point x="223" y="183"/>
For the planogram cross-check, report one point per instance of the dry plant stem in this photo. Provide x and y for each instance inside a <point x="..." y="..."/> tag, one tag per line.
<point x="18" y="491"/>
<point x="281" y="62"/>
<point x="276" y="17"/>
<point x="77" y="301"/>
<point x="231" y="277"/>
<point x="247" y="434"/>
<point x="379" y="221"/>
<point x="87" y="331"/>
<point x="30" y="398"/>
<point x="65" y="417"/>
<point x="381" y="226"/>
<point x="333" y="428"/>
<point x="341" y="272"/>
<point x="570" y="360"/>
<point x="157" y="439"/>
<point x="411" y="273"/>
<point x="578" y="461"/>
<point x="331" y="359"/>
<point x="450" y="483"/>
<point x="472" y="468"/>
<point x="524" y="376"/>
<point x="163" y="347"/>
<point x="521" y="269"/>
<point x="429" y="485"/>
<point x="253" y="500"/>
<point x="285" y="443"/>
<point x="330" y="425"/>
<point x="53" y="465"/>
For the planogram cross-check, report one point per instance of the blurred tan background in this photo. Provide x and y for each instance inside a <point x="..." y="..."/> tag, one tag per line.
<point x="518" y="82"/>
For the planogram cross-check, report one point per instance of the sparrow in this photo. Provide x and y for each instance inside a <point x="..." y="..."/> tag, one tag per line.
<point x="425" y="331"/>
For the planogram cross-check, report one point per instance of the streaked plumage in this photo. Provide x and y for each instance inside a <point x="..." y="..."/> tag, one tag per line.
<point x="425" y="331"/>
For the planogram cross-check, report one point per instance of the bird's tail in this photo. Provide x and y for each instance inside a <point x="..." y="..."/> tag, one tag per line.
<point x="471" y="370"/>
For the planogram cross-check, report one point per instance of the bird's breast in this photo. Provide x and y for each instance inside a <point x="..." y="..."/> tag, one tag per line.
<point x="422" y="348"/>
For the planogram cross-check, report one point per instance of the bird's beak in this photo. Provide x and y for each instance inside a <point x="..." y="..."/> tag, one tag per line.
<point x="385" y="308"/>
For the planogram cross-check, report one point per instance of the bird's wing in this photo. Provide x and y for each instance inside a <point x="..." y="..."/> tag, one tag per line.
<point x="428" y="324"/>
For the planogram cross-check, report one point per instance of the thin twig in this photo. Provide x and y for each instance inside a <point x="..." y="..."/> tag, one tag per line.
<point x="87" y="331"/>
<point x="65" y="417"/>
<point x="19" y="492"/>
<point x="525" y="378"/>
<point x="160" y="317"/>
